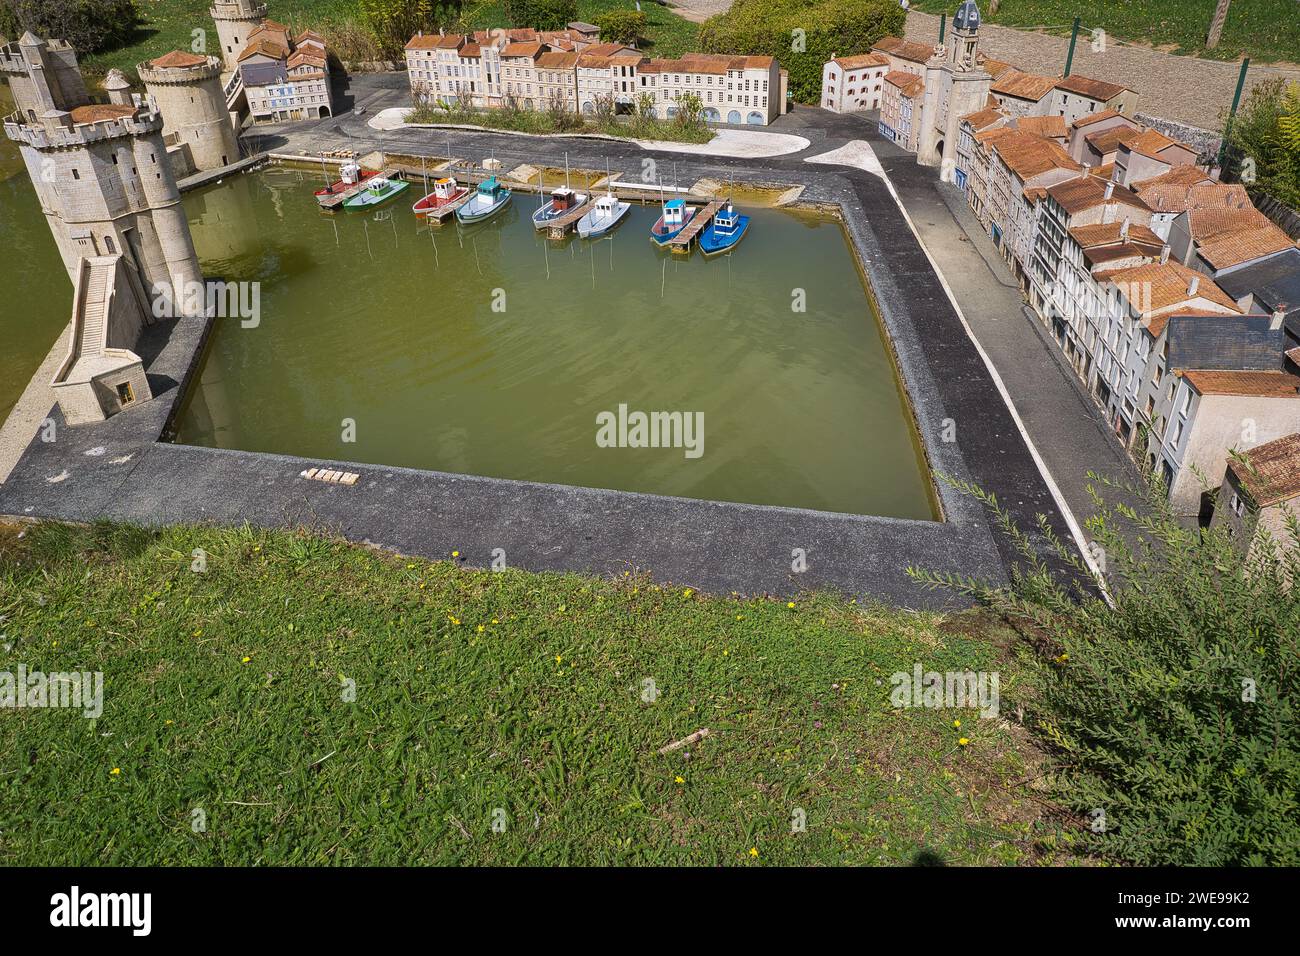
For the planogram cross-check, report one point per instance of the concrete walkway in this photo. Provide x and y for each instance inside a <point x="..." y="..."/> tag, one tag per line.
<point x="32" y="407"/>
<point x="1064" y="424"/>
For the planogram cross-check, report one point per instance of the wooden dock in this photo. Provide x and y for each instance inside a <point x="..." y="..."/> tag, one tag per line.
<point x="682" y="241"/>
<point x="332" y="203"/>
<point x="443" y="212"/>
<point x="559" y="228"/>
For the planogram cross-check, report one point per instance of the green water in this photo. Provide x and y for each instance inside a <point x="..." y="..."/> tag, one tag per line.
<point x="37" y="295"/>
<point x="380" y="320"/>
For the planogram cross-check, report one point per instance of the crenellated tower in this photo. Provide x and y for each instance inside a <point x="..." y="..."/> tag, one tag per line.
<point x="187" y="89"/>
<point x="100" y="170"/>
<point x="235" y="20"/>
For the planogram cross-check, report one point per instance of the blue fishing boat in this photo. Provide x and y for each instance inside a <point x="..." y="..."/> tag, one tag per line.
<point x="490" y="198"/>
<point x="375" y="192"/>
<point x="671" y="221"/>
<point x="725" y="232"/>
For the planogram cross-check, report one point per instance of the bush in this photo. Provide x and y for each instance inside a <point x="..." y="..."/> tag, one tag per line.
<point x="1266" y="141"/>
<point x="802" y="34"/>
<point x="622" y="26"/>
<point x="89" y="25"/>
<point x="1173" y="712"/>
<point x="541" y="14"/>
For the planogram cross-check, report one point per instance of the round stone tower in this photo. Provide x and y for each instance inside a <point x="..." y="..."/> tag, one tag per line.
<point x="100" y="171"/>
<point x="235" y="20"/>
<point x="118" y="88"/>
<point x="187" y="90"/>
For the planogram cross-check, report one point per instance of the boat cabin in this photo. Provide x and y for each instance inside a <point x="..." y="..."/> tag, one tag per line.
<point x="444" y="189"/>
<point x="606" y="205"/>
<point x="351" y="174"/>
<point x="726" y="218"/>
<point x="377" y="186"/>
<point x="675" y="212"/>
<point x="562" y="200"/>
<point x="489" y="187"/>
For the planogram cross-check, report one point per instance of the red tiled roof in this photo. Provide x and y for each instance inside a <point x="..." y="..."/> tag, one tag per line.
<point x="100" y="112"/>
<point x="1048" y="127"/>
<point x="1164" y="286"/>
<point x="1097" y="117"/>
<point x="981" y="119"/>
<point x="1110" y="139"/>
<point x="1271" y="473"/>
<point x="528" y="48"/>
<point x="1176" y="197"/>
<point x="264" y="47"/>
<point x="1028" y="155"/>
<point x="1259" y="384"/>
<point x="1084" y="192"/>
<point x="1023" y="86"/>
<point x="905" y="49"/>
<point x="909" y="84"/>
<point x="1093" y="89"/>
<point x="1229" y="249"/>
<point x="1109" y="232"/>
<point x="862" y="60"/>
<point x="992" y="67"/>
<point x="178" y="60"/>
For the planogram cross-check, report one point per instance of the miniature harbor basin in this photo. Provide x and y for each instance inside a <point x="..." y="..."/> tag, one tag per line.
<point x="492" y="350"/>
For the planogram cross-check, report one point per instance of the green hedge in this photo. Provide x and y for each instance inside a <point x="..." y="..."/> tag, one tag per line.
<point x="621" y="26"/>
<point x="829" y="28"/>
<point x="541" y="14"/>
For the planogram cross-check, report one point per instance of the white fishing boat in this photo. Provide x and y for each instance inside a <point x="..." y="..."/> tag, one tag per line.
<point x="607" y="214"/>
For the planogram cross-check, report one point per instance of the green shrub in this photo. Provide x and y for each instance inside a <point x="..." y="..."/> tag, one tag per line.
<point x="1266" y="141"/>
<point x="1173" y="713"/>
<point x="541" y="14"/>
<point x="802" y="34"/>
<point x="89" y="25"/>
<point x="622" y="26"/>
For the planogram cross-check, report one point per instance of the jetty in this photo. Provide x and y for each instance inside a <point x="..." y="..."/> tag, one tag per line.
<point x="559" y="227"/>
<point x="682" y="241"/>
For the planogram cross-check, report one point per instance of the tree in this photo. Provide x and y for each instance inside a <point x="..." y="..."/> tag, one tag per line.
<point x="802" y="34"/>
<point x="1265" y="141"/>
<point x="1216" y="24"/>
<point x="89" y="25"/>
<point x="541" y="14"/>
<point x="622" y="26"/>
<point x="394" y="22"/>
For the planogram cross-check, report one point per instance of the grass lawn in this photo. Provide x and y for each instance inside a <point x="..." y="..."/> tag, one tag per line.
<point x="169" y="24"/>
<point x="1262" y="29"/>
<point x="480" y="696"/>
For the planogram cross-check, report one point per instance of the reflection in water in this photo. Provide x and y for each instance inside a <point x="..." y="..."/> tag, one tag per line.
<point x="489" y="350"/>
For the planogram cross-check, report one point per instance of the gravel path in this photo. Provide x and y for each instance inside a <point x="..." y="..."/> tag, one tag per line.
<point x="1181" y="88"/>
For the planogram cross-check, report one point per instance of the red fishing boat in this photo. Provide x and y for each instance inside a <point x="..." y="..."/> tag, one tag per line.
<point x="351" y="174"/>
<point x="445" y="192"/>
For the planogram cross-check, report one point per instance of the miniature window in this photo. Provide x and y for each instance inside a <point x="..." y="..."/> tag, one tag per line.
<point x="125" y="394"/>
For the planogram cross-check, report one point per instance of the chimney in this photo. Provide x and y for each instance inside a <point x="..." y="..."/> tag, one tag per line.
<point x="1193" y="284"/>
<point x="1110" y="188"/>
<point x="1164" y="254"/>
<point x="1279" y="316"/>
<point x="1123" y="229"/>
<point x="1085" y="172"/>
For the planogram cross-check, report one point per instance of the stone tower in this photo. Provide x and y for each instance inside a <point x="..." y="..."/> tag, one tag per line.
<point x="235" y="20"/>
<point x="186" y="88"/>
<point x="955" y="85"/>
<point x="100" y="171"/>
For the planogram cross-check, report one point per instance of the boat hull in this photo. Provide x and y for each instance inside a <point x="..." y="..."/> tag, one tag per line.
<point x="713" y="243"/>
<point x="431" y="203"/>
<point x="475" y="212"/>
<point x="368" y="200"/>
<point x="547" y="214"/>
<point x="661" y="235"/>
<point x="591" y="225"/>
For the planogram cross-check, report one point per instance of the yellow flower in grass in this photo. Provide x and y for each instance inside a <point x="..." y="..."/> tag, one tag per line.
<point x="962" y="741"/>
<point x="753" y="852"/>
<point x="956" y="723"/>
<point x="558" y="658"/>
<point x="789" y="604"/>
<point x="480" y="629"/>
<point x="679" y="780"/>
<point x="687" y="593"/>
<point x="115" y="772"/>
<point x="455" y="554"/>
<point x="245" y="660"/>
